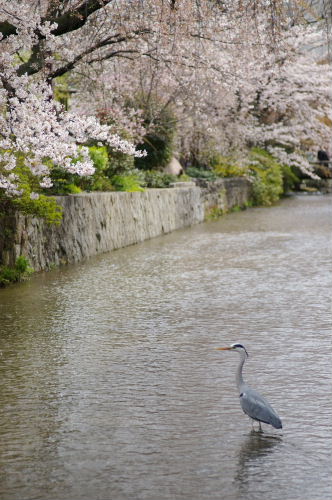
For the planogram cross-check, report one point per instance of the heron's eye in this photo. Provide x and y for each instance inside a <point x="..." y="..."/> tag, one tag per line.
<point x="237" y="345"/>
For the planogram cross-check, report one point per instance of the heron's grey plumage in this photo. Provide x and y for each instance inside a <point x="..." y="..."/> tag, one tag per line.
<point x="252" y="403"/>
<point x="258" y="408"/>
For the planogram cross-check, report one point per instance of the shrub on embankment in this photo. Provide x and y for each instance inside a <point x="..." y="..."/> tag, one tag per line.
<point x="270" y="179"/>
<point x="19" y="272"/>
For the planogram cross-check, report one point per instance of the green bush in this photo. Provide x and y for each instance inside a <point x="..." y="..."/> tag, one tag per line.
<point x="73" y="189"/>
<point x="14" y="274"/>
<point x="224" y="166"/>
<point x="290" y="179"/>
<point x="119" y="163"/>
<point x="107" y="163"/>
<point x="67" y="183"/>
<point x="130" y="182"/>
<point x="99" y="156"/>
<point x="201" y="173"/>
<point x="45" y="207"/>
<point x="101" y="179"/>
<point x="63" y="182"/>
<point x="156" y="179"/>
<point x="267" y="177"/>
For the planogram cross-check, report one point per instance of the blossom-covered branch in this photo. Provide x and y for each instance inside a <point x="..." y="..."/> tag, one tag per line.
<point x="36" y="132"/>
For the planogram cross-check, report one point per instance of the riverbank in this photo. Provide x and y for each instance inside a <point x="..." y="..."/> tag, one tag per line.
<point x="99" y="222"/>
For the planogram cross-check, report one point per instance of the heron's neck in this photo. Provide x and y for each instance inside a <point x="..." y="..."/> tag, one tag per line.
<point x="239" y="377"/>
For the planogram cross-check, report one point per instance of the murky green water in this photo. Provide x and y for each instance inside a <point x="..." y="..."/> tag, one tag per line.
<point x="111" y="387"/>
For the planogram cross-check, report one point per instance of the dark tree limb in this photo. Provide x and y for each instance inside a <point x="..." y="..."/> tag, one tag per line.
<point x="107" y="42"/>
<point x="68" y="21"/>
<point x="74" y="19"/>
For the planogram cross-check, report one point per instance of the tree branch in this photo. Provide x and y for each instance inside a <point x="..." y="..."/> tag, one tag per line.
<point x="75" y="19"/>
<point x="115" y="53"/>
<point x="67" y="22"/>
<point x="101" y="44"/>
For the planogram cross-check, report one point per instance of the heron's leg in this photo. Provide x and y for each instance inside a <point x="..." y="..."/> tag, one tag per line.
<point x="260" y="427"/>
<point x="253" y="424"/>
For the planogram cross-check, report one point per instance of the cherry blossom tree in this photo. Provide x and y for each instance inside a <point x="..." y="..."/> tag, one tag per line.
<point x="235" y="72"/>
<point x="236" y="76"/>
<point x="293" y="99"/>
<point x="195" y="59"/>
<point x="36" y="132"/>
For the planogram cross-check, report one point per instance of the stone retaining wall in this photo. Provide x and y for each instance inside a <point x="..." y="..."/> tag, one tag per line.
<point x="94" y="223"/>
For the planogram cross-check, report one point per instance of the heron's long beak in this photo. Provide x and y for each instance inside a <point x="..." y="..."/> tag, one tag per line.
<point x="223" y="348"/>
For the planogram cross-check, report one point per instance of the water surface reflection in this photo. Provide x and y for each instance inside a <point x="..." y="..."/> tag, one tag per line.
<point x="252" y="459"/>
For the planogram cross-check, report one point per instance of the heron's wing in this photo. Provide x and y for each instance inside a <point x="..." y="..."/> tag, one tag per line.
<point x="258" y="408"/>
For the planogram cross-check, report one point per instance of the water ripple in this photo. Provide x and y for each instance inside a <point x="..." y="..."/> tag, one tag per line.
<point x="111" y="386"/>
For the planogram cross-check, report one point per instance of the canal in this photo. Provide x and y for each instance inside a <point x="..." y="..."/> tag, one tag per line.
<point x="111" y="388"/>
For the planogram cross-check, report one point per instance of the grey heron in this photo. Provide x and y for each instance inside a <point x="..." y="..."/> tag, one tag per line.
<point x="252" y="403"/>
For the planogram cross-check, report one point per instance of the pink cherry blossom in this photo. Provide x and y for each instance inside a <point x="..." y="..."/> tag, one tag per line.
<point x="235" y="73"/>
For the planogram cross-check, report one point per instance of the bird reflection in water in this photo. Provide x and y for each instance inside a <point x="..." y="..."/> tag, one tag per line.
<point x="252" y="456"/>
